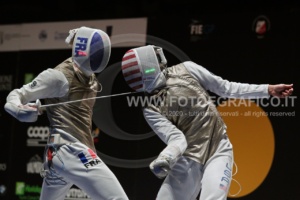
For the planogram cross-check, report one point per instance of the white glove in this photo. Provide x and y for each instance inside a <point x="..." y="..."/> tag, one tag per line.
<point x="161" y="166"/>
<point x="24" y="113"/>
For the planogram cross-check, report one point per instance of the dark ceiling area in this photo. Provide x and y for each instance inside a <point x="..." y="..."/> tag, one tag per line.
<point x="45" y="11"/>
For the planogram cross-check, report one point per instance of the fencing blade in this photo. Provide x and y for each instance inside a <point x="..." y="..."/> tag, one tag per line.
<point x="43" y="107"/>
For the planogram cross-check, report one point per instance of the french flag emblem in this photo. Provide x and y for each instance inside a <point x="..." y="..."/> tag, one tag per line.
<point x="84" y="159"/>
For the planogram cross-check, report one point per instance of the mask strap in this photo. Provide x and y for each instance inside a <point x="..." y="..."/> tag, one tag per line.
<point x="163" y="59"/>
<point x="70" y="38"/>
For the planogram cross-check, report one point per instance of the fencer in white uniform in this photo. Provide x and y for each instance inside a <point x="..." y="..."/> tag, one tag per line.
<point x="198" y="157"/>
<point x="70" y="155"/>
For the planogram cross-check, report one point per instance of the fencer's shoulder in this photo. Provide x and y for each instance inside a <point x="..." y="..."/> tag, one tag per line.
<point x="52" y="76"/>
<point x="47" y="72"/>
<point x="51" y="72"/>
<point x="190" y="64"/>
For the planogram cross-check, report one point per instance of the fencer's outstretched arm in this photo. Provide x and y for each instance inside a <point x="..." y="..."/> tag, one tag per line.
<point x="229" y="89"/>
<point x="225" y="88"/>
<point x="49" y="83"/>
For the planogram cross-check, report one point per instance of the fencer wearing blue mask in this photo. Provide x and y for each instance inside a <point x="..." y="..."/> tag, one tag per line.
<point x="70" y="156"/>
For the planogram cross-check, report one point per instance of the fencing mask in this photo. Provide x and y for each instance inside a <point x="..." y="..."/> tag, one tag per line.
<point x="141" y="68"/>
<point x="91" y="49"/>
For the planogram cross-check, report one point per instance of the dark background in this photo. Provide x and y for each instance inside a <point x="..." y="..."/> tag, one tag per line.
<point x="229" y="47"/>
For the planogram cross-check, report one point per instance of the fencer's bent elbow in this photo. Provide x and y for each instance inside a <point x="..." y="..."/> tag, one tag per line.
<point x="11" y="109"/>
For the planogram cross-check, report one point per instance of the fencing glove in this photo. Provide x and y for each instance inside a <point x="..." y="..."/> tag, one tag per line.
<point x="161" y="165"/>
<point x="165" y="161"/>
<point x="24" y="113"/>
